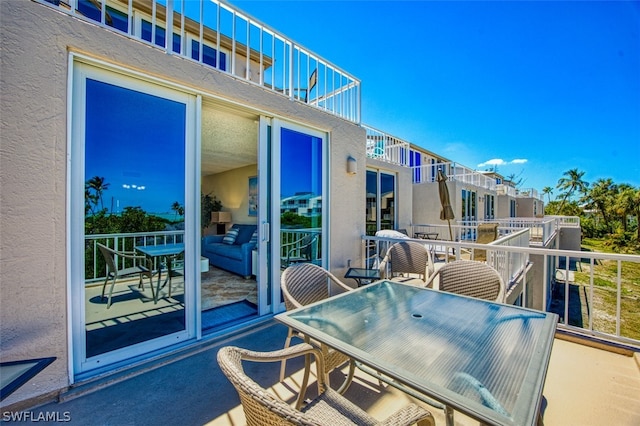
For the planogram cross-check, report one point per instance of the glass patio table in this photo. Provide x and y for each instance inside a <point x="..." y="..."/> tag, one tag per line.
<point x="484" y="359"/>
<point x="168" y="251"/>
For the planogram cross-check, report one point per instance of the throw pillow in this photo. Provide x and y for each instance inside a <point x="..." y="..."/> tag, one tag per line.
<point x="231" y="236"/>
<point x="254" y="237"/>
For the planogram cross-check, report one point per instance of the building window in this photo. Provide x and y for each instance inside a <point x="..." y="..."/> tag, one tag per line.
<point x="113" y="18"/>
<point x="209" y="55"/>
<point x="489" y="207"/>
<point x="146" y="34"/>
<point x="469" y="203"/>
<point x="380" y="201"/>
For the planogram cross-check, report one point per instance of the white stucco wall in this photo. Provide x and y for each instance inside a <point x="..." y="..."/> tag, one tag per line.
<point x="426" y="204"/>
<point x="36" y="41"/>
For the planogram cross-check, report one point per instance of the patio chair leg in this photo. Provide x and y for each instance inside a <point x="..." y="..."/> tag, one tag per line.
<point x="305" y="377"/>
<point x="113" y="282"/>
<point x="104" y="285"/>
<point x="287" y="343"/>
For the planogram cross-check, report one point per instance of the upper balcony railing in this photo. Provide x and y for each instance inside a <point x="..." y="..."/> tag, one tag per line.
<point x="506" y="190"/>
<point x="384" y="147"/>
<point x="529" y="193"/>
<point x="455" y="172"/>
<point x="232" y="42"/>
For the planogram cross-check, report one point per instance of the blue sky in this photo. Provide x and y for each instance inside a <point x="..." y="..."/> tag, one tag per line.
<point x="536" y="88"/>
<point x="135" y="141"/>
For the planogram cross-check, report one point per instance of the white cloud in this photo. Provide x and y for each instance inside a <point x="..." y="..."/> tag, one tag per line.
<point x="493" y="162"/>
<point x="500" y="162"/>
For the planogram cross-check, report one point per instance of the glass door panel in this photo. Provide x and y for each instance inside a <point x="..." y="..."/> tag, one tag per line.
<point x="132" y="282"/>
<point x="299" y="198"/>
<point x="372" y="202"/>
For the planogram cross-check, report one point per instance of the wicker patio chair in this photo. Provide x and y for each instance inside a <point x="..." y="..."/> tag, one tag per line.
<point x="407" y="261"/>
<point x="305" y="283"/>
<point x="303" y="250"/>
<point x="113" y="272"/>
<point x="470" y="278"/>
<point x="263" y="408"/>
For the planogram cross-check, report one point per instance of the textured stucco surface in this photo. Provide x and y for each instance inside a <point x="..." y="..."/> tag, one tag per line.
<point x="36" y="41"/>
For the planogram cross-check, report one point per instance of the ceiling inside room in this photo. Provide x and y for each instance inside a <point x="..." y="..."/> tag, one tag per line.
<point x="229" y="138"/>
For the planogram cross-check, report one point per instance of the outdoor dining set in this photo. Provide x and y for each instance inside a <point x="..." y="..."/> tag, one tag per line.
<point x="440" y="333"/>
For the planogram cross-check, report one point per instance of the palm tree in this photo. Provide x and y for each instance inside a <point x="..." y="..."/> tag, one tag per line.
<point x="627" y="203"/>
<point x="98" y="185"/>
<point x="548" y="191"/>
<point x="90" y="201"/>
<point x="177" y="207"/>
<point x="571" y="182"/>
<point x="600" y="196"/>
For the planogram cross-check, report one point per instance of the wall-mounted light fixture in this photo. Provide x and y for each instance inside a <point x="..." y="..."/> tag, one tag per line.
<point x="352" y="165"/>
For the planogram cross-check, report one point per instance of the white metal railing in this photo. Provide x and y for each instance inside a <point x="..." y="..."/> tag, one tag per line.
<point x="384" y="147"/>
<point x="427" y="173"/>
<point x="464" y="174"/>
<point x="606" y="305"/>
<point x="216" y="34"/>
<point x="510" y="265"/>
<point x="290" y="240"/>
<point x="566" y="221"/>
<point x="503" y="189"/>
<point x="529" y="193"/>
<point x="95" y="271"/>
<point x="542" y="230"/>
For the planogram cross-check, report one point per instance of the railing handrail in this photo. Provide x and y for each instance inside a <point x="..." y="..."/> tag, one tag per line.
<point x="291" y="68"/>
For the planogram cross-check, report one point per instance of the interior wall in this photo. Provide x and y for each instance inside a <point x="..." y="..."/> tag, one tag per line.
<point x="232" y="189"/>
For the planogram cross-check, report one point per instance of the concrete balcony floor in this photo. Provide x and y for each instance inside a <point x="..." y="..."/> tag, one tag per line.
<point x="584" y="386"/>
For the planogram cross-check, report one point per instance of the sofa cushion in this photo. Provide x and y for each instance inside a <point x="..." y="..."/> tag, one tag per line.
<point x="244" y="233"/>
<point x="230" y="251"/>
<point x="231" y="236"/>
<point x="254" y="237"/>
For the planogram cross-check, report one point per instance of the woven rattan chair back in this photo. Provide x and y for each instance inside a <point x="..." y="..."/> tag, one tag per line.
<point x="408" y="257"/>
<point x="471" y="278"/>
<point x="262" y="408"/>
<point x="305" y="283"/>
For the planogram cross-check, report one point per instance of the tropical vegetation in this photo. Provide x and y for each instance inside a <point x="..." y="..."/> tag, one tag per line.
<point x="609" y="211"/>
<point x="102" y="220"/>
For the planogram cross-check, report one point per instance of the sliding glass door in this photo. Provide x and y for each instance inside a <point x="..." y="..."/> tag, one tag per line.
<point x="298" y="198"/>
<point x="381" y="195"/>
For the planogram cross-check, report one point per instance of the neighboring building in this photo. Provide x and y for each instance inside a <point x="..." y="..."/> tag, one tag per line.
<point x="529" y="203"/>
<point x="93" y="90"/>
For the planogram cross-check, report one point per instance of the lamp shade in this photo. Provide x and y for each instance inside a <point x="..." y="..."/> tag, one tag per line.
<point x="220" y="217"/>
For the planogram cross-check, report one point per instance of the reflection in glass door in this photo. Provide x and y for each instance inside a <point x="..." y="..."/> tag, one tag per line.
<point x="132" y="279"/>
<point x="381" y="195"/>
<point x="300" y="200"/>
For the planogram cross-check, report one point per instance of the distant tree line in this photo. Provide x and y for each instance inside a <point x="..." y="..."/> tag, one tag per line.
<point x="102" y="220"/>
<point x="606" y="209"/>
